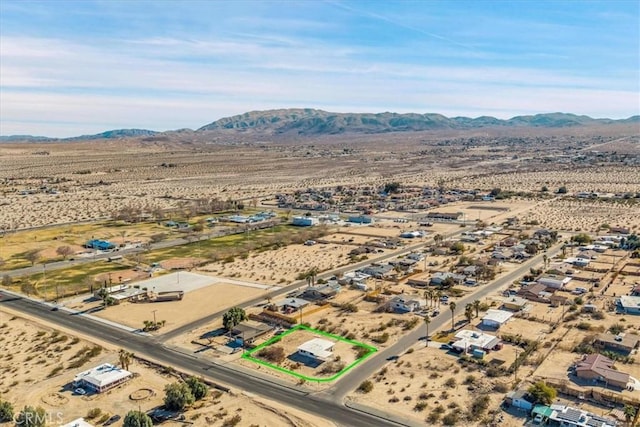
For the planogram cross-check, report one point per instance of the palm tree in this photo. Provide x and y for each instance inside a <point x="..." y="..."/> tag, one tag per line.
<point x="452" y="307"/>
<point x="427" y="320"/>
<point x="629" y="412"/>
<point x="428" y="295"/>
<point x="125" y="358"/>
<point x="437" y="239"/>
<point x="476" y="305"/>
<point x="438" y="296"/>
<point x="468" y="312"/>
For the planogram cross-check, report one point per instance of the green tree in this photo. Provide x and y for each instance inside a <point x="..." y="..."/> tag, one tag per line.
<point x="6" y="412"/>
<point x="582" y="238"/>
<point x="32" y="417"/>
<point x="542" y="393"/>
<point x="233" y="317"/>
<point x="457" y="248"/>
<point x="178" y="396"/>
<point x="198" y="387"/>
<point x="452" y="307"/>
<point x="629" y="412"/>
<point x="137" y="419"/>
<point x="391" y="187"/>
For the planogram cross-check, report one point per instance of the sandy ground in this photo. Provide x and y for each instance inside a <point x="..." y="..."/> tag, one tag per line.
<point x="194" y="305"/>
<point x="28" y="382"/>
<point x="283" y="265"/>
<point x="433" y="378"/>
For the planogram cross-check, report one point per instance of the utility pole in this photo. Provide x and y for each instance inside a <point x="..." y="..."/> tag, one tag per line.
<point x="154" y="317"/>
<point x="515" y="368"/>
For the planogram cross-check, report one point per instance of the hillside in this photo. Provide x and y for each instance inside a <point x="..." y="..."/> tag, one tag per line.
<point x="317" y="122"/>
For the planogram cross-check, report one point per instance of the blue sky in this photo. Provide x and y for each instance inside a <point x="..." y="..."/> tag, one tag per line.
<point x="77" y="67"/>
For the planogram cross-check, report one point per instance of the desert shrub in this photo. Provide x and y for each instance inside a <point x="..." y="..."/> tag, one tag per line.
<point x="433" y="418"/>
<point x="450" y="419"/>
<point x="273" y="354"/>
<point x="470" y="379"/>
<point x="198" y="388"/>
<point x="93" y="413"/>
<point x="361" y="351"/>
<point x="420" y="406"/>
<point x="500" y="388"/>
<point x="394" y="399"/>
<point x="479" y="406"/>
<point x="233" y="421"/>
<point x="451" y="382"/>
<point x="585" y="326"/>
<point x="365" y="387"/>
<point x="380" y="339"/>
<point x="616" y="329"/>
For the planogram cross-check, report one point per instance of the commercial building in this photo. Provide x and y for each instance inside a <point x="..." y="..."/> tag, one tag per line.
<point x="304" y="221"/>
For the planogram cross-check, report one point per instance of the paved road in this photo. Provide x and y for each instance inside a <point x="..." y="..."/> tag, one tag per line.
<point x="218" y="373"/>
<point x="352" y="379"/>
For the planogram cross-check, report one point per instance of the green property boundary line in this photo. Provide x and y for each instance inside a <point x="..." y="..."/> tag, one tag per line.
<point x="248" y="355"/>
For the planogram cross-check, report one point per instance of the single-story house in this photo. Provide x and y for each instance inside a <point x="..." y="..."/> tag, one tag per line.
<point x="317" y="348"/>
<point x="377" y="271"/>
<point x="535" y="292"/>
<point x="496" y="318"/>
<point x="438" y="278"/>
<point x="570" y="417"/>
<point x="320" y="292"/>
<point x="247" y="332"/>
<point x="467" y="340"/>
<point x="514" y="303"/>
<point x="353" y="278"/>
<point x="578" y="261"/>
<point x="519" y="399"/>
<point x="598" y="368"/>
<point x="629" y="304"/>
<point x="304" y="221"/>
<point x="623" y="343"/>
<point x="292" y="304"/>
<point x="405" y="304"/>
<point x="101" y="378"/>
<point x="554" y="282"/>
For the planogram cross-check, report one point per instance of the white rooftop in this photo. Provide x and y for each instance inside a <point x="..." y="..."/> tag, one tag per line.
<point x="102" y="375"/>
<point x="318" y="347"/>
<point x="179" y="281"/>
<point x="629" y="301"/>
<point x="467" y="339"/>
<point x="80" y="422"/>
<point x="499" y="316"/>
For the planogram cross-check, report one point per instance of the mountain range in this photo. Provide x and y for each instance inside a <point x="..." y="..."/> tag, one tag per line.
<point x="312" y="122"/>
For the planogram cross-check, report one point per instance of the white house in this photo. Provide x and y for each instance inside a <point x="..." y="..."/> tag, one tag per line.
<point x="403" y="303"/>
<point x="554" y="281"/>
<point x="628" y="304"/>
<point x="470" y="340"/>
<point x="496" y="318"/>
<point x="317" y="348"/>
<point x="101" y="378"/>
<point x="80" y="422"/>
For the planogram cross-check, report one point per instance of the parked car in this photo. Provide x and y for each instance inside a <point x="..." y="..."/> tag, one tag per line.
<point x="435" y="313"/>
<point x="112" y="420"/>
<point x="80" y="391"/>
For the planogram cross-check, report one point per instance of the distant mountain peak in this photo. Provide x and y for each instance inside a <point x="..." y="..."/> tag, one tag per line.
<point x="308" y="121"/>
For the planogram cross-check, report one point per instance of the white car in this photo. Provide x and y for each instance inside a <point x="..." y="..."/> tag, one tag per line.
<point x="538" y="419"/>
<point x="80" y="391"/>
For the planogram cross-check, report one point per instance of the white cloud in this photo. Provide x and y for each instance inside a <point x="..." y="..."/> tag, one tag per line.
<point x="51" y="86"/>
